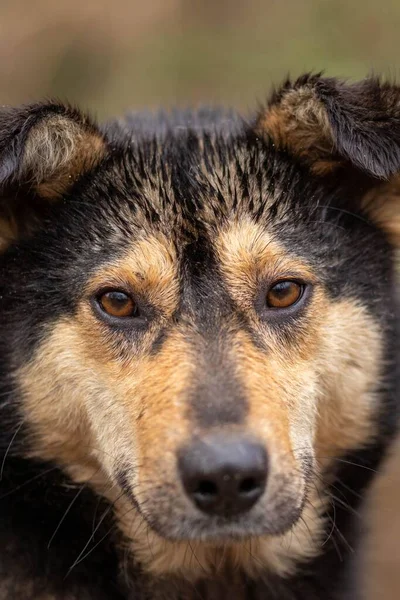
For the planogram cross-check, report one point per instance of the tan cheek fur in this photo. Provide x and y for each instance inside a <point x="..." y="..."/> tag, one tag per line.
<point x="282" y="415"/>
<point x="350" y="363"/>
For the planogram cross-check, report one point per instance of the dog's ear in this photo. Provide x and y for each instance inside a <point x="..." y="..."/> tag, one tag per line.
<point x="327" y="123"/>
<point x="343" y="131"/>
<point x="44" y="149"/>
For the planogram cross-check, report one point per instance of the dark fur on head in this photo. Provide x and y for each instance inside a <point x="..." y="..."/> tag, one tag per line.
<point x="195" y="216"/>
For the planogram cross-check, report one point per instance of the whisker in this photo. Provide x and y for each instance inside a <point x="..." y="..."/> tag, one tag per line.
<point x="353" y="464"/>
<point x="196" y="558"/>
<point x="18" y="487"/>
<point x="332" y="521"/>
<point x="74" y="499"/>
<point x="81" y="558"/>
<point x="330" y="223"/>
<point x="104" y="515"/>
<point x="254" y="558"/>
<point x="349" y="489"/>
<point x="9" y="448"/>
<point x="110" y="487"/>
<point x="346" y="506"/>
<point x="345" y="212"/>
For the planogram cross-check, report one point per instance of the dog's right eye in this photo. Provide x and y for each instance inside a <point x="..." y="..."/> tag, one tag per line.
<point x="118" y="304"/>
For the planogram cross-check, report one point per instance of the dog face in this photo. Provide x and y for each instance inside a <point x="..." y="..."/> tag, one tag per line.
<point x="195" y="320"/>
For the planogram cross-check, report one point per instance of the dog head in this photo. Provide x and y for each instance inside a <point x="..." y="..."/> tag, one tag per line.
<point x="196" y="318"/>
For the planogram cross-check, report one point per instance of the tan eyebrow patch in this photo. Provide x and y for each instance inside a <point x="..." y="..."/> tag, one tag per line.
<point x="149" y="267"/>
<point x="248" y="254"/>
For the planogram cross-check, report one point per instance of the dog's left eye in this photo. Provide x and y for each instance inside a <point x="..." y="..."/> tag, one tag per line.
<point x="116" y="303"/>
<point x="284" y="294"/>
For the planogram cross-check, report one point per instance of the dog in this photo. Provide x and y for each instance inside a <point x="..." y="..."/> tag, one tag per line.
<point x="198" y="350"/>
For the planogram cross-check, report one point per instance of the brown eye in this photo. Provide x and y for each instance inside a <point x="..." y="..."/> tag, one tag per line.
<point x="283" y="294"/>
<point x="117" y="304"/>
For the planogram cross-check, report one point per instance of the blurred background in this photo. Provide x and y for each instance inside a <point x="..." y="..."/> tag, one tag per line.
<point x="111" y="55"/>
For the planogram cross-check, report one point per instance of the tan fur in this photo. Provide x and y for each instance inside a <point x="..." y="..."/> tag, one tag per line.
<point x="57" y="151"/>
<point x="98" y="407"/>
<point x="148" y="268"/>
<point x="299" y="123"/>
<point x="249" y="255"/>
<point x="350" y="362"/>
<point x="382" y="206"/>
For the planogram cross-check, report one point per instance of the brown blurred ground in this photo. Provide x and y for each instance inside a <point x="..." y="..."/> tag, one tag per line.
<point x="110" y="56"/>
<point x="382" y="564"/>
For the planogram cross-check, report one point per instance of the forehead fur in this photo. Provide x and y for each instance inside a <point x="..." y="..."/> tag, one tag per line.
<point x="190" y="184"/>
<point x="200" y="178"/>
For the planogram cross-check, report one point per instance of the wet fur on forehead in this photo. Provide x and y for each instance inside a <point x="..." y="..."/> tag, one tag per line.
<point x="191" y="185"/>
<point x="187" y="182"/>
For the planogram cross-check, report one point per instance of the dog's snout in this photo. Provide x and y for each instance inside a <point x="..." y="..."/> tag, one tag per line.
<point x="224" y="476"/>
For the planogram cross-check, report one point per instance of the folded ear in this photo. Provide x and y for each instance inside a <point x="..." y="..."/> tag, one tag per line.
<point x="343" y="129"/>
<point x="327" y="123"/>
<point x="44" y="149"/>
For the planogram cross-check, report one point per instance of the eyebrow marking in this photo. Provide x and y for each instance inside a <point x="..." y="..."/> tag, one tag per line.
<point x="149" y="267"/>
<point x="249" y="255"/>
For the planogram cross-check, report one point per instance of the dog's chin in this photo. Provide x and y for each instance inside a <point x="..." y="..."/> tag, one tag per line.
<point x="221" y="531"/>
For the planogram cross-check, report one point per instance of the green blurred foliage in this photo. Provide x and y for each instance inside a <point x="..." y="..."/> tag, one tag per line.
<point x="110" y="56"/>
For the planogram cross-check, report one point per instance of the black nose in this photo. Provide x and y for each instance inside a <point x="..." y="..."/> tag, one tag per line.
<point x="224" y="476"/>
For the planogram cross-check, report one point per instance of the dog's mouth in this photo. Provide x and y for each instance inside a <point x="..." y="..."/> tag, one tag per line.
<point x="169" y="534"/>
<point x="193" y="529"/>
<point x="220" y="490"/>
<point x="173" y="518"/>
<point x="225" y="531"/>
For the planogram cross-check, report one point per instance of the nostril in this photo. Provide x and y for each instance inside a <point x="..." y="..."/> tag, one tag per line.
<point x="249" y="485"/>
<point x="206" y="489"/>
